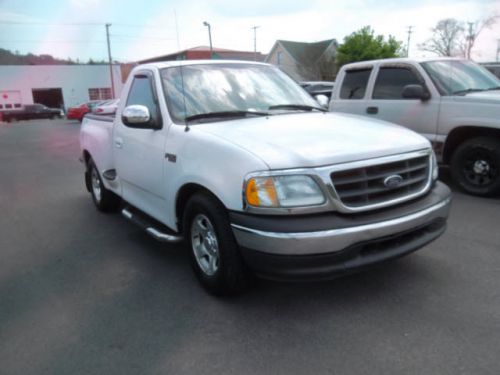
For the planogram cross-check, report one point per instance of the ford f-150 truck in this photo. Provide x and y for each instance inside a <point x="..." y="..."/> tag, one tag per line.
<point x="240" y="162"/>
<point x="453" y="103"/>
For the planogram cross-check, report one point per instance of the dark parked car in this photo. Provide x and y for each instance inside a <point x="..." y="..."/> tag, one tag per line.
<point x="30" y="112"/>
<point x="318" y="88"/>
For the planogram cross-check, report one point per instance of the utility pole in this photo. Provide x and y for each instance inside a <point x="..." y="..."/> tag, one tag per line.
<point x="410" y="31"/>
<point x="205" y="23"/>
<point x="498" y="48"/>
<point x="110" y="62"/>
<point x="255" y="41"/>
<point x="470" y="40"/>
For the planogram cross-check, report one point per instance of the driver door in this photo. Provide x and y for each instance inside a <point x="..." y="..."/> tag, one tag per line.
<point x="387" y="102"/>
<point x="139" y="152"/>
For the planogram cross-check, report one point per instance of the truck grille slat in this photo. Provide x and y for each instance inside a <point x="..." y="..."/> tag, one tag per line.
<point x="340" y="180"/>
<point x="365" y="186"/>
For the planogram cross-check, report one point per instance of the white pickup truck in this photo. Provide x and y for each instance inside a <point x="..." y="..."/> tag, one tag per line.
<point x="238" y="160"/>
<point x="453" y="103"/>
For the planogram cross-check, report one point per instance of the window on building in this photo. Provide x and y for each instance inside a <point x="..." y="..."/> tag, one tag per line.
<point x="279" y="58"/>
<point x="17" y="105"/>
<point x="103" y="93"/>
<point x="391" y="82"/>
<point x="8" y="106"/>
<point x="354" y="84"/>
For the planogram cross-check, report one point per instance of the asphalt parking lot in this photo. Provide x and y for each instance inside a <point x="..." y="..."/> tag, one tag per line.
<point x="87" y="293"/>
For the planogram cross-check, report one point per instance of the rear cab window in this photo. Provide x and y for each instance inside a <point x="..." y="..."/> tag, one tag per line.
<point x="355" y="83"/>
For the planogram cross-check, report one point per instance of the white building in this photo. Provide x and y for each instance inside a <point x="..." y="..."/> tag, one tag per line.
<point x="59" y="86"/>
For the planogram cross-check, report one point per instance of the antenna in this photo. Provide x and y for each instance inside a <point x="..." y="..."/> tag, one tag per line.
<point x="255" y="41"/>
<point x="177" y="30"/>
<point x="180" y="69"/>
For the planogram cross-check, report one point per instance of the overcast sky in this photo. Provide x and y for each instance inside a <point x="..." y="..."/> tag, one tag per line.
<point x="75" y="28"/>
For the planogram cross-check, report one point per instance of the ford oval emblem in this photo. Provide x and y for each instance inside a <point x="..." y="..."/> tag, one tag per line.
<point x="393" y="181"/>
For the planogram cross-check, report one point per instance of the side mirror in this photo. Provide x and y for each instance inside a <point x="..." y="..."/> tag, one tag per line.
<point x="137" y="116"/>
<point x="415" y="92"/>
<point x="322" y="100"/>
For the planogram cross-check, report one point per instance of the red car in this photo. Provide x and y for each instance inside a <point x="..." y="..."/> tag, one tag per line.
<point x="77" y="113"/>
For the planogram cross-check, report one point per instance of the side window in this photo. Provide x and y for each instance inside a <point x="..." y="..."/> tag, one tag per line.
<point x="354" y="84"/>
<point x="141" y="92"/>
<point x="391" y="81"/>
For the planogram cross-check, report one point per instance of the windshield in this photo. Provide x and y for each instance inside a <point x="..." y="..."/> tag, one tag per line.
<point x="217" y="88"/>
<point x="455" y="77"/>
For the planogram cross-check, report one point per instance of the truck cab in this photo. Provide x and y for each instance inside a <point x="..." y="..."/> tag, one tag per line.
<point x="454" y="103"/>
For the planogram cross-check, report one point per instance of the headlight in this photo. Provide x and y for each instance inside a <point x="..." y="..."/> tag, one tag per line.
<point x="283" y="191"/>
<point x="434" y="166"/>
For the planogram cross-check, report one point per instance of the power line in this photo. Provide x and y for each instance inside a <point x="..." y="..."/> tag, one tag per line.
<point x="24" y="23"/>
<point x="41" y="41"/>
<point x="140" y="37"/>
<point x="17" y="23"/>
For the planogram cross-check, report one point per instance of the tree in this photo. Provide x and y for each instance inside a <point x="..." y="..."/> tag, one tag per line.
<point x="450" y="38"/>
<point x="363" y="45"/>
<point x="445" y="39"/>
<point x="474" y="30"/>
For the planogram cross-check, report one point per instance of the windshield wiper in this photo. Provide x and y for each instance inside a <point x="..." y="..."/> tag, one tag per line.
<point x="466" y="91"/>
<point x="224" y="114"/>
<point x="300" y="107"/>
<point x="493" y="88"/>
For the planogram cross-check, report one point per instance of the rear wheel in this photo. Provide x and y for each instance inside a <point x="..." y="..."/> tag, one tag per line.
<point x="475" y="166"/>
<point x="104" y="199"/>
<point x="215" y="255"/>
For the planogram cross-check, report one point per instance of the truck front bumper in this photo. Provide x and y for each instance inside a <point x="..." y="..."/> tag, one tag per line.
<point x="326" y="245"/>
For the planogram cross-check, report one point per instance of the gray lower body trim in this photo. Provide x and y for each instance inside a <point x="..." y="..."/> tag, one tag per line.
<point x="335" y="240"/>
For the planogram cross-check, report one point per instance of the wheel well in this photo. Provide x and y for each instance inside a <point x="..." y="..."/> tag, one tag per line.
<point x="186" y="192"/>
<point x="86" y="157"/>
<point x="458" y="135"/>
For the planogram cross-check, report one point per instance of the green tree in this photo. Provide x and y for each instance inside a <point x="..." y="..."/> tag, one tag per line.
<point x="363" y="45"/>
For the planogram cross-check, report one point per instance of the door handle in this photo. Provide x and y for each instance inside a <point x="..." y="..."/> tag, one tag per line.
<point x="119" y="143"/>
<point x="372" y="110"/>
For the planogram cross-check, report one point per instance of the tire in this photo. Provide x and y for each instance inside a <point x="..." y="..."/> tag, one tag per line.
<point x="104" y="199"/>
<point x="215" y="255"/>
<point x="475" y="166"/>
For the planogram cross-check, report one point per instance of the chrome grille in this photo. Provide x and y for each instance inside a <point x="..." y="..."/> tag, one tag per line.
<point x="366" y="186"/>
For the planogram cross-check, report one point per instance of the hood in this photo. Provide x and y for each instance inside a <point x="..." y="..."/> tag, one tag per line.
<point x="315" y="139"/>
<point x="492" y="97"/>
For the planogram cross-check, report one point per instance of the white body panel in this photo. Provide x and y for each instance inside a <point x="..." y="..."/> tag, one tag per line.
<point x="219" y="155"/>
<point x="435" y="118"/>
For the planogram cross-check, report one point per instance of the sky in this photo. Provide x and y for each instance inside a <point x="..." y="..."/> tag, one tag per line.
<point x="75" y="28"/>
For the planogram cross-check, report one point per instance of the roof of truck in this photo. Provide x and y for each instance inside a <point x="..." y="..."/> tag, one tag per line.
<point x="401" y="60"/>
<point x="168" y="64"/>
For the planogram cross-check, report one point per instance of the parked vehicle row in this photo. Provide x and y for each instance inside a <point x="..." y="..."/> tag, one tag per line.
<point x="269" y="185"/>
<point x="107" y="107"/>
<point x="316" y="88"/>
<point x="454" y="103"/>
<point x="77" y="112"/>
<point x="31" y="112"/>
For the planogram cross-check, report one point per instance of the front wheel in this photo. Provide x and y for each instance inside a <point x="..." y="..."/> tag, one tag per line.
<point x="215" y="255"/>
<point x="475" y="166"/>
